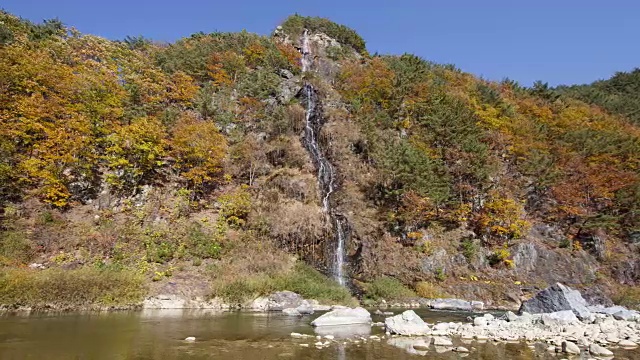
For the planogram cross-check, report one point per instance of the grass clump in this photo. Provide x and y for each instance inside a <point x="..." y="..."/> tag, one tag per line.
<point x="389" y="289"/>
<point x="58" y="288"/>
<point x="628" y="297"/>
<point x="301" y="279"/>
<point x="428" y="290"/>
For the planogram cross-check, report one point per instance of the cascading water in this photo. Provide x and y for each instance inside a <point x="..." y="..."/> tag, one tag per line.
<point x="326" y="173"/>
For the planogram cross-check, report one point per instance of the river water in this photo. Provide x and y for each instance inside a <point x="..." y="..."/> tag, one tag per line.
<point x="234" y="335"/>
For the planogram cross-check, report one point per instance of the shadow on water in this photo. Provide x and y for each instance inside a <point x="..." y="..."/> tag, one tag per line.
<point x="235" y="335"/>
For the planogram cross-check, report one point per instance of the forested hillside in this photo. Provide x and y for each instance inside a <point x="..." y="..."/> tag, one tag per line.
<point x="618" y="95"/>
<point x="132" y="167"/>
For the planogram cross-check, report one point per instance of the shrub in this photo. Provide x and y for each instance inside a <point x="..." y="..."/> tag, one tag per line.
<point x="469" y="248"/>
<point x="15" y="247"/>
<point x="389" y="289"/>
<point x="628" y="296"/>
<point x="302" y="279"/>
<point x="70" y="288"/>
<point x="501" y="256"/>
<point x="428" y="290"/>
<point x="440" y="274"/>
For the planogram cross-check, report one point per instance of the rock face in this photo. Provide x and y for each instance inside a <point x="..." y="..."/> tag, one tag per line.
<point x="408" y="323"/>
<point x="557" y="298"/>
<point x="345" y="316"/>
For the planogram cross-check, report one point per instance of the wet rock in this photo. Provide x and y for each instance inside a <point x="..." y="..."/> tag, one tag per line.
<point x="291" y="312"/>
<point x="442" y="341"/>
<point x="570" y="348"/>
<point x="407" y="344"/>
<point x="408" y="323"/>
<point x="284" y="300"/>
<point x="260" y="304"/>
<point x="598" y="350"/>
<point x="343" y="317"/>
<point x="456" y="304"/>
<point x="557" y="298"/>
<point x="305" y="308"/>
<point x="422" y="345"/>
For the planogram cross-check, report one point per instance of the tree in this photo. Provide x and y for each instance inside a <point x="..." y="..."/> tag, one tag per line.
<point x="199" y="151"/>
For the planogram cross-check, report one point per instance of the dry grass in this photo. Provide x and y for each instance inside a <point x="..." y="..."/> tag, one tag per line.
<point x="70" y="288"/>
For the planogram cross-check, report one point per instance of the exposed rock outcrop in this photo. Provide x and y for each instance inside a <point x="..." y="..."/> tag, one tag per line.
<point x="557" y="298"/>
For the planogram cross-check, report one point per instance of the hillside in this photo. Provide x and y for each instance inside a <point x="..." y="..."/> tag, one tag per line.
<point x="233" y="165"/>
<point x="617" y="95"/>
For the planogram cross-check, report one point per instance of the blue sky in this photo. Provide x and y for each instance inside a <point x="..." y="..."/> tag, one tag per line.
<point x="559" y="41"/>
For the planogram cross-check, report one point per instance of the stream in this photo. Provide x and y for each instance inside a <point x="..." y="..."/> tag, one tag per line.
<point x="160" y="334"/>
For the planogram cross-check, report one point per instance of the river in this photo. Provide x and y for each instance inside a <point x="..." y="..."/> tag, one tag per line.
<point x="232" y="335"/>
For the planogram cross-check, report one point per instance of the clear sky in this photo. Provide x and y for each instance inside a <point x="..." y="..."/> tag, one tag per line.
<point x="558" y="41"/>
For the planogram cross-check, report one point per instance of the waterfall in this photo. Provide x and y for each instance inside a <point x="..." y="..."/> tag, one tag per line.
<point x="326" y="173"/>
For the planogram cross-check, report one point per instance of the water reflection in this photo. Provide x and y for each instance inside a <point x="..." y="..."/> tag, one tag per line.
<point x="344" y="331"/>
<point x="160" y="335"/>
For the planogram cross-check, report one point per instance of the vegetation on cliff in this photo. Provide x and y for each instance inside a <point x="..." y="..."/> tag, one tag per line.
<point x="164" y="159"/>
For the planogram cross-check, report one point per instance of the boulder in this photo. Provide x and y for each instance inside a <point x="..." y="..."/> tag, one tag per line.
<point x="559" y="318"/>
<point x="627" y="344"/>
<point x="598" y="350"/>
<point x="627" y="315"/>
<point x="344" y="331"/>
<point x="343" y="317"/>
<point x="456" y="304"/>
<point x="291" y="312"/>
<point x="557" y="298"/>
<point x="260" y="304"/>
<point x="408" y="323"/>
<point x="481" y="321"/>
<point x="305" y="308"/>
<point x="510" y="316"/>
<point x="570" y="348"/>
<point x="284" y="300"/>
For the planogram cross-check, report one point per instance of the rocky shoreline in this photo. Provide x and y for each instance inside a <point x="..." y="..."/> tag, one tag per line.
<point x="564" y="323"/>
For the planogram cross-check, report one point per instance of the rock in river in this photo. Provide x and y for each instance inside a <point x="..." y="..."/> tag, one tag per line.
<point x="557" y="298"/>
<point x="407" y="323"/>
<point x="345" y="316"/>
